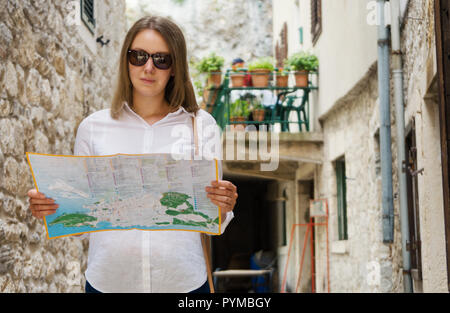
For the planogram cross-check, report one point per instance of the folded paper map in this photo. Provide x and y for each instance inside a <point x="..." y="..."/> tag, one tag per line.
<point x="122" y="191"/>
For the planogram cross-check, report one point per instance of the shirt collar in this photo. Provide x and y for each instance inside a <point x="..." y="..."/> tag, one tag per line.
<point x="184" y="110"/>
<point x="181" y="109"/>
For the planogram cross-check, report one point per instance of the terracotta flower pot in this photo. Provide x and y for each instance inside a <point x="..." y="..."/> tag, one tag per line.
<point x="258" y="115"/>
<point x="282" y="81"/>
<point x="301" y="79"/>
<point x="237" y="119"/>
<point x="215" y="78"/>
<point x="210" y="95"/>
<point x="237" y="79"/>
<point x="260" y="78"/>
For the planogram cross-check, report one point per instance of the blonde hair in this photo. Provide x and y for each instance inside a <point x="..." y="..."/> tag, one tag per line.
<point x="179" y="90"/>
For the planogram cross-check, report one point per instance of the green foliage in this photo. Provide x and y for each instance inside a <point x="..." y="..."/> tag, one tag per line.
<point x="210" y="63"/>
<point x="254" y="102"/>
<point x="239" y="70"/>
<point x="199" y="86"/>
<point x="302" y="61"/>
<point x="239" y="108"/>
<point x="283" y="71"/>
<point x="179" y="2"/>
<point x="256" y="105"/>
<point x="263" y="63"/>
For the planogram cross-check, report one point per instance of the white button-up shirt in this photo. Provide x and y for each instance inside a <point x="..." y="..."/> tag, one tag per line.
<point x="137" y="260"/>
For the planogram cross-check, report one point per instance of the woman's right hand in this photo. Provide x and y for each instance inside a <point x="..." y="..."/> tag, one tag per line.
<point x="40" y="205"/>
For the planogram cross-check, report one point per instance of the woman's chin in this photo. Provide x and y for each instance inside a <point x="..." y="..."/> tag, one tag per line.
<point x="148" y="91"/>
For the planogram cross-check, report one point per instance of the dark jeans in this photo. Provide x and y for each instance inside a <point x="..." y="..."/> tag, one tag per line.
<point x="89" y="289"/>
<point x="202" y="289"/>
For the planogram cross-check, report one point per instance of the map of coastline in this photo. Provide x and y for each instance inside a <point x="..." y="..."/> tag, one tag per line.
<point x="148" y="192"/>
<point x="163" y="213"/>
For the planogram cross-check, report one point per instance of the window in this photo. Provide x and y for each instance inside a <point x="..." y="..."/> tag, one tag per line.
<point x="281" y="49"/>
<point x="377" y="153"/>
<point x="341" y="199"/>
<point x="316" y="19"/>
<point x="87" y="14"/>
<point x="414" y="244"/>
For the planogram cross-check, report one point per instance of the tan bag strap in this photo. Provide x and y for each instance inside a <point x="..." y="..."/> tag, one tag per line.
<point x="204" y="238"/>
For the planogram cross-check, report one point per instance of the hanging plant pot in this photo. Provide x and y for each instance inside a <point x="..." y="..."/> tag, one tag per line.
<point x="258" y="115"/>
<point x="237" y="79"/>
<point x="282" y="80"/>
<point x="260" y="78"/>
<point x="301" y="78"/>
<point x="215" y="78"/>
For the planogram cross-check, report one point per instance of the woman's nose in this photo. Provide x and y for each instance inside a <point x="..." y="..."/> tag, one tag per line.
<point x="148" y="67"/>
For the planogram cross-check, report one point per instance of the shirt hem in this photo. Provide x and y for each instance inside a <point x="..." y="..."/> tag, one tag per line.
<point x="196" y="287"/>
<point x="94" y="285"/>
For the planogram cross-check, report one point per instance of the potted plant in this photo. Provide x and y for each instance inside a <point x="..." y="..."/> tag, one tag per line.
<point x="258" y="111"/>
<point x="282" y="77"/>
<point x="302" y="63"/>
<point x="239" y="111"/>
<point x="260" y="70"/>
<point x="212" y="65"/>
<point x="237" y="77"/>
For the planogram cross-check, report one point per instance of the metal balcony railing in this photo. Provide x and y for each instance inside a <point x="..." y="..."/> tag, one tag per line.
<point x="218" y="100"/>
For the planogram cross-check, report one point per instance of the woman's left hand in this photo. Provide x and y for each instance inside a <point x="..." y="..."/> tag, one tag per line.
<point x="223" y="194"/>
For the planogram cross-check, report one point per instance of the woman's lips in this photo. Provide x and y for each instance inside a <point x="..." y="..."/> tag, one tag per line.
<point x="147" y="81"/>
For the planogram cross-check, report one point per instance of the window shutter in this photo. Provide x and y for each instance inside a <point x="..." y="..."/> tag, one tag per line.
<point x="282" y="46"/>
<point x="87" y="14"/>
<point x="316" y="19"/>
<point x="341" y="199"/>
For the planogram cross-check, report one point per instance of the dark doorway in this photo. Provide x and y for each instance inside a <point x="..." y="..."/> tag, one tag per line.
<point x="253" y="229"/>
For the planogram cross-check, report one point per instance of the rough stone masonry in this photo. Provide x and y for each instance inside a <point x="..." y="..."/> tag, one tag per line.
<point x="49" y="81"/>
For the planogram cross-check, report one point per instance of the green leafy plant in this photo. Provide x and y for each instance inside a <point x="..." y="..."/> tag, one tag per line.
<point x="263" y="63"/>
<point x="210" y="63"/>
<point x="283" y="71"/>
<point x="239" y="70"/>
<point x="239" y="108"/>
<point x="179" y="2"/>
<point x="302" y="61"/>
<point x="199" y="87"/>
<point x="256" y="105"/>
<point x="254" y="102"/>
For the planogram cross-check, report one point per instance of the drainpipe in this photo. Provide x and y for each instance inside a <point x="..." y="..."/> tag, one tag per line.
<point x="385" y="125"/>
<point x="397" y="72"/>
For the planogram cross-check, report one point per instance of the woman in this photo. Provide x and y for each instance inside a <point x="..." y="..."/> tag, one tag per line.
<point x="153" y="97"/>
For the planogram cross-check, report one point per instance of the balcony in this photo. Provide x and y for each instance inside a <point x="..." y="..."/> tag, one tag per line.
<point x="278" y="103"/>
<point x="294" y="151"/>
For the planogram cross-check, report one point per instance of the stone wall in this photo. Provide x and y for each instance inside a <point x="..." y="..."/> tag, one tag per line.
<point x="350" y="130"/>
<point x="49" y="81"/>
<point x="421" y="100"/>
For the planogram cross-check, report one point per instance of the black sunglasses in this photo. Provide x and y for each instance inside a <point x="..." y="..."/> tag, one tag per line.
<point x="162" y="61"/>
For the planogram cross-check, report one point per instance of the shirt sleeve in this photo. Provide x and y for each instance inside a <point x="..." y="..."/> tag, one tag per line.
<point x="212" y="148"/>
<point x="82" y="141"/>
<point x="82" y="148"/>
